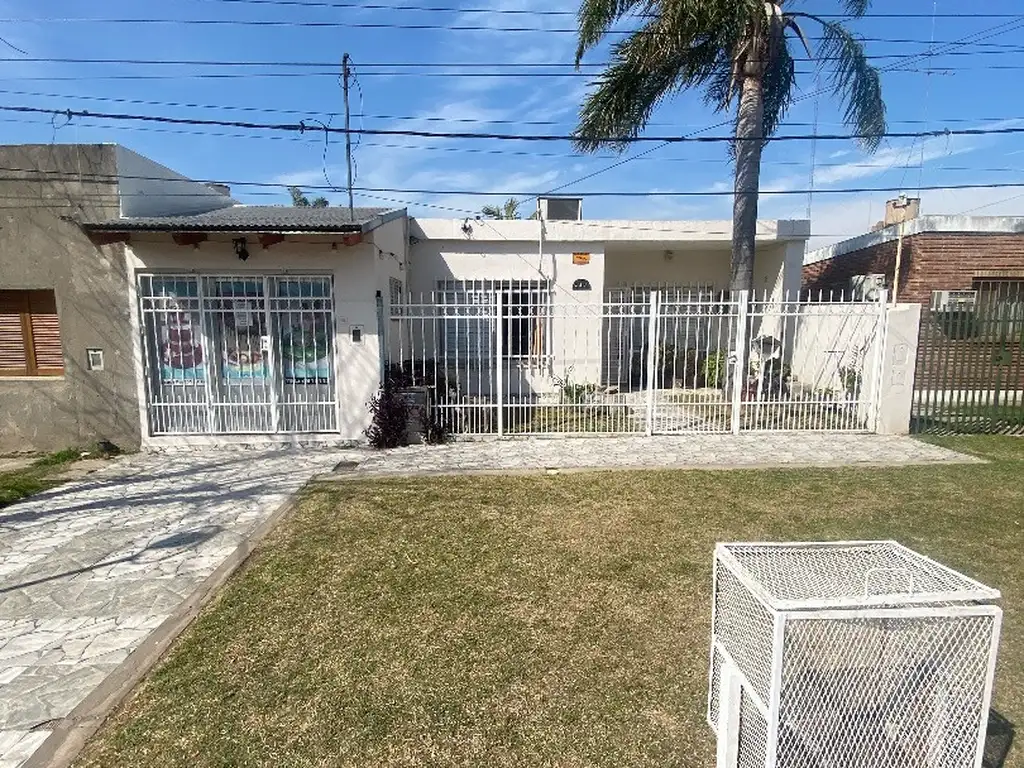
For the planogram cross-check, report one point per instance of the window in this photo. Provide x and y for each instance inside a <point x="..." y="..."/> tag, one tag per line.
<point x="29" y="334"/>
<point x="395" y="291"/>
<point x="470" y="315"/>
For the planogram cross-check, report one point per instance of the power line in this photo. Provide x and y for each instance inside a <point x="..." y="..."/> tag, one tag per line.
<point x="302" y="127"/>
<point x="35" y="174"/>
<point x="1014" y="50"/>
<point x="427" y="118"/>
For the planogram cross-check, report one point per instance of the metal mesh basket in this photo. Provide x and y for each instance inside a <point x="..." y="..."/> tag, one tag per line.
<point x="850" y="654"/>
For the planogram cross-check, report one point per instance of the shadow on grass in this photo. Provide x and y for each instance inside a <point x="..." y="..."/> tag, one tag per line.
<point x="998" y="740"/>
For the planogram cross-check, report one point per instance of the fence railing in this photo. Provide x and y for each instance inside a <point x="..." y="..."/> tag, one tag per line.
<point x="507" y="362"/>
<point x="970" y="366"/>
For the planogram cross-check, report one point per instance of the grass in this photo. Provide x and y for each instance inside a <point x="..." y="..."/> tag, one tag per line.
<point x="43" y="473"/>
<point x="527" y="621"/>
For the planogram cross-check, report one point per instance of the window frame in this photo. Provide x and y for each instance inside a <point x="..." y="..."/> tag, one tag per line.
<point x="24" y="300"/>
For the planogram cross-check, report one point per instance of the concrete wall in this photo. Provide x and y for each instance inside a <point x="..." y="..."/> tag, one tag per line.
<point x="41" y="247"/>
<point x="896" y="386"/>
<point x="355" y="283"/>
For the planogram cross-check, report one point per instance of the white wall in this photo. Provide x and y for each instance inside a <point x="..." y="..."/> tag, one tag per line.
<point x="355" y="281"/>
<point x="575" y="315"/>
<point x="150" y="189"/>
<point x="899" y="361"/>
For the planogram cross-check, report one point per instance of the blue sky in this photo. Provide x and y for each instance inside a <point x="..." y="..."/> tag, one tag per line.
<point x="972" y="87"/>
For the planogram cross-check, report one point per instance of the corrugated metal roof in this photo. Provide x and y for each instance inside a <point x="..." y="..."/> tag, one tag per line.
<point x="249" y="218"/>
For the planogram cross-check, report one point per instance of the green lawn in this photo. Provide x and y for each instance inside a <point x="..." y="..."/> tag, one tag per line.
<point x="42" y="474"/>
<point x="527" y="621"/>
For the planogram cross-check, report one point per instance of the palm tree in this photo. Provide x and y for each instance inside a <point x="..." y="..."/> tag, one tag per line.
<point x="299" y="199"/>
<point x="735" y="51"/>
<point x="510" y="210"/>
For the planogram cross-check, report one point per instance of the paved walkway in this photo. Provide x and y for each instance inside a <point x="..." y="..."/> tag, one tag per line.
<point x="697" y="451"/>
<point x="90" y="569"/>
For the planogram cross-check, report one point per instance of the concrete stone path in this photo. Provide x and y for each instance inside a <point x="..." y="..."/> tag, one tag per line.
<point x="696" y="451"/>
<point x="88" y="570"/>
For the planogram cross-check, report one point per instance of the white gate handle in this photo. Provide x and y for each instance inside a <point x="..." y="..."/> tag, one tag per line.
<point x="870" y="571"/>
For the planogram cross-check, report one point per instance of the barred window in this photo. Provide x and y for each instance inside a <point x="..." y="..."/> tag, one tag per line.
<point x="471" y="320"/>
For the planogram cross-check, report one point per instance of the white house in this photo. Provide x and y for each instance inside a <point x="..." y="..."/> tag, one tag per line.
<point x="279" y="322"/>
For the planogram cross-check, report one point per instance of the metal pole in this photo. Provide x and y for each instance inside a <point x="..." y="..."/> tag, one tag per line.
<point x="741" y="301"/>
<point x="899" y="263"/>
<point x="499" y="354"/>
<point x="381" y="341"/>
<point x="348" y="132"/>
<point x="652" y="356"/>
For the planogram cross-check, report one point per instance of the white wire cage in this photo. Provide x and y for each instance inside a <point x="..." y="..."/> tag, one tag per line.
<point x="861" y="654"/>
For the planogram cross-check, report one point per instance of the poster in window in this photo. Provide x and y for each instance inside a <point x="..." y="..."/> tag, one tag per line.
<point x="305" y="350"/>
<point x="181" y="352"/>
<point x="244" y="358"/>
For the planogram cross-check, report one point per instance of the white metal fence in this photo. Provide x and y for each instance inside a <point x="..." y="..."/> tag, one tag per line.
<point x="510" y="358"/>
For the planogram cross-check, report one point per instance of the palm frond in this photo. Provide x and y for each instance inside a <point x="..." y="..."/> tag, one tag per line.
<point x="854" y="81"/>
<point x="856" y="7"/>
<point x="490" y="212"/>
<point x="778" y="82"/>
<point x="595" y="18"/>
<point x="665" y="56"/>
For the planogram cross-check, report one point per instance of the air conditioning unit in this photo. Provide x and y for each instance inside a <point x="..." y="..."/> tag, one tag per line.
<point x="561" y="208"/>
<point x="944" y="301"/>
<point x="867" y="287"/>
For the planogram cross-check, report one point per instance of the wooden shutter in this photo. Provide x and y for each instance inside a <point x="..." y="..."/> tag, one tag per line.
<point x="13" y="346"/>
<point x="45" y="326"/>
<point x="29" y="334"/>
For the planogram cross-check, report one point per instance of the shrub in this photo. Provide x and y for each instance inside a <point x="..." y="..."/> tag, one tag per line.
<point x="715" y="370"/>
<point x="390" y="411"/>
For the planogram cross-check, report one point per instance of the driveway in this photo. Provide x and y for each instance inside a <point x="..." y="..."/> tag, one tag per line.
<point x="89" y="570"/>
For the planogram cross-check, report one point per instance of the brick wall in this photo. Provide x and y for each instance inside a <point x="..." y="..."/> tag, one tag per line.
<point x="932" y="261"/>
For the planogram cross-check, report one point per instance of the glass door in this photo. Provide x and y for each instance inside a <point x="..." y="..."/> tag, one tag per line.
<point x="302" y="322"/>
<point x="237" y="326"/>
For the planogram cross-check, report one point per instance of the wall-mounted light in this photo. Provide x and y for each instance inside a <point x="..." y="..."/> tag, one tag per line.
<point x="240" y="250"/>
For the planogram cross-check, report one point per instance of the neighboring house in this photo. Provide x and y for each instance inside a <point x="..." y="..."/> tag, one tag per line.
<point x="939" y="253"/>
<point x="146" y="308"/>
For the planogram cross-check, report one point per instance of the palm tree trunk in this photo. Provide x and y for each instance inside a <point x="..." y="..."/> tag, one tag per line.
<point x="749" y="135"/>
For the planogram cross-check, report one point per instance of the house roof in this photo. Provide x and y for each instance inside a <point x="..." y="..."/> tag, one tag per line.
<point x="255" y="218"/>
<point x="974" y="225"/>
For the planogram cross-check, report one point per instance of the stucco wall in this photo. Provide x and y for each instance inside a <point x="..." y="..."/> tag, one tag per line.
<point x="41" y="247"/>
<point x="355" y="283"/>
<point x="574" y="316"/>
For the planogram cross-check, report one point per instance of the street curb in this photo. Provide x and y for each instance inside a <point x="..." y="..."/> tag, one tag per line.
<point x="371" y="474"/>
<point x="71" y="733"/>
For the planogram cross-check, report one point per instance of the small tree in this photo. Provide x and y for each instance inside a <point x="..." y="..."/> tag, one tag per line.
<point x="390" y="412"/>
<point x="510" y="210"/>
<point x="299" y="199"/>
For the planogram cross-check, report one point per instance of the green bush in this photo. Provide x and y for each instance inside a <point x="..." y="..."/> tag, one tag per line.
<point x="715" y="368"/>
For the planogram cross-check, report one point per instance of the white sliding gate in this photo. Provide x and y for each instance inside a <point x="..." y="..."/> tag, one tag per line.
<point x="517" y="358"/>
<point x="238" y="353"/>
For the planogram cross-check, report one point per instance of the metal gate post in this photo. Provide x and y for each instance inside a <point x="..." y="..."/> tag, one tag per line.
<point x="499" y="368"/>
<point x="874" y="406"/>
<point x="652" y="356"/>
<point x="739" y="355"/>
